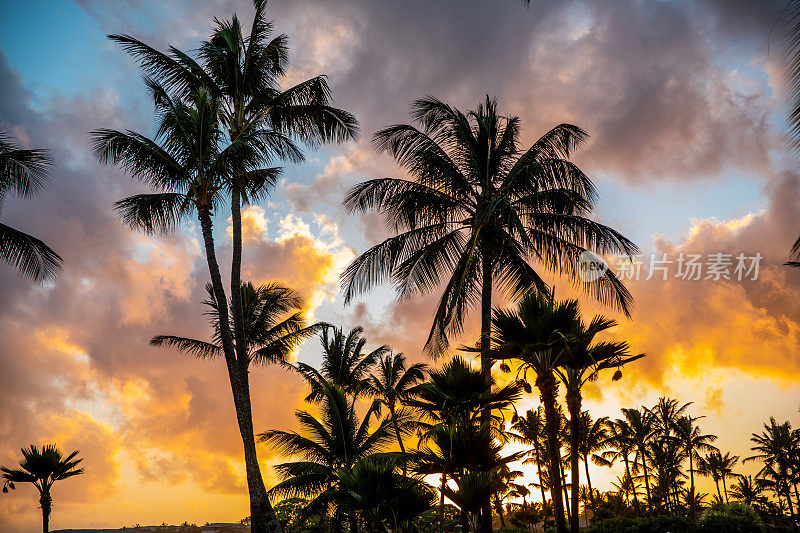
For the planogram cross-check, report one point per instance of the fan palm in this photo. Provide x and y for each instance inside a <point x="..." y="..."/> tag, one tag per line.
<point x="333" y="442"/>
<point x="476" y="209"/>
<point x="390" y="384"/>
<point x="42" y="468"/>
<point x="694" y="442"/>
<point x="24" y="173"/>
<point x="344" y="363"/>
<point x="547" y="337"/>
<point x="385" y="500"/>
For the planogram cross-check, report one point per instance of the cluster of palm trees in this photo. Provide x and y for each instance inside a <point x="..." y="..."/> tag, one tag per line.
<point x="477" y="213"/>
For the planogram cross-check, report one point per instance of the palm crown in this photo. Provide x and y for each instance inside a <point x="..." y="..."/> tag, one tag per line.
<point x="478" y="208"/>
<point x="274" y="325"/>
<point x="24" y="173"/>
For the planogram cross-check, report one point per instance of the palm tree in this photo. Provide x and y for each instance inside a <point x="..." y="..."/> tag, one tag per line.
<point x="719" y="467"/>
<point x="747" y="490"/>
<point x="694" y="442"/>
<point x="274" y="326"/>
<point x="42" y="468"/>
<point x="640" y="425"/>
<point x="530" y="430"/>
<point x="188" y="166"/>
<point x="391" y="385"/>
<point x="243" y="74"/>
<point x="453" y="402"/>
<point x="622" y="444"/>
<point x="533" y="336"/>
<point x="476" y="211"/>
<point x="594" y="439"/>
<point x="385" y="500"/>
<point x="333" y="442"/>
<point x="777" y="446"/>
<point x="344" y="363"/>
<point x="584" y="362"/>
<point x="24" y="173"/>
<point x="792" y="79"/>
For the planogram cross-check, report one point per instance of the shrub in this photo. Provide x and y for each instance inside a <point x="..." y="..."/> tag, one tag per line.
<point x="656" y="524"/>
<point x="733" y="518"/>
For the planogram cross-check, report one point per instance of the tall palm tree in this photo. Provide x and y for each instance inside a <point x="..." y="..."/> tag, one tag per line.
<point x="243" y="74"/>
<point x="189" y="167"/>
<point x="530" y="430"/>
<point x="475" y="211"/>
<point x="42" y="468"/>
<point x="24" y="173"/>
<point x="719" y="467"/>
<point x="533" y="335"/>
<point x="777" y="446"/>
<point x="622" y="444"/>
<point x="391" y="385"/>
<point x="333" y="442"/>
<point x="584" y="362"/>
<point x="453" y="402"/>
<point x="640" y="426"/>
<point x="594" y="439"/>
<point x="694" y="442"/>
<point x="344" y="362"/>
<point x="792" y="79"/>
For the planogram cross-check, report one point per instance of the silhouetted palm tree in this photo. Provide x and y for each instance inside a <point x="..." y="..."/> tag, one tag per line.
<point x="243" y="74"/>
<point x="594" y="439"/>
<point x="792" y="80"/>
<point x="777" y="447"/>
<point x="719" y="467"/>
<point x="42" y="468"/>
<point x="391" y="384"/>
<point x="640" y="425"/>
<point x="530" y="430"/>
<point x="274" y="326"/>
<point x="747" y="490"/>
<point x="533" y="335"/>
<point x="344" y="363"/>
<point x="476" y="211"/>
<point x="621" y="440"/>
<point x="335" y="441"/>
<point x="585" y="359"/>
<point x="24" y="173"/>
<point x="694" y="442"/>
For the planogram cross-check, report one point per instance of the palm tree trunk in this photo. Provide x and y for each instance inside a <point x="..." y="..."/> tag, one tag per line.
<point x="486" y="360"/>
<point x="691" y="490"/>
<point x="566" y="493"/>
<point x="628" y="471"/>
<point x="791" y="507"/>
<point x="539" y="473"/>
<point x="500" y="513"/>
<point x="46" y="502"/>
<point x="262" y="516"/>
<point x="441" y="502"/>
<point x="353" y="522"/>
<point x="646" y="477"/>
<point x="546" y="383"/>
<point x="574" y="407"/>
<point x="399" y="439"/>
<point x="589" y="484"/>
<point x="719" y="493"/>
<point x="725" y="486"/>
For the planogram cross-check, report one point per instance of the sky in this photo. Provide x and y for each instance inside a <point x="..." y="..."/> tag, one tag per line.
<point x="685" y="108"/>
